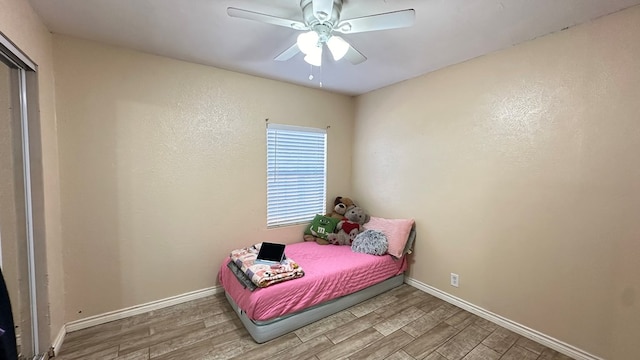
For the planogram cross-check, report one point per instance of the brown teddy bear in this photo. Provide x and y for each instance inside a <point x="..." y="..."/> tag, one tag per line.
<point x="340" y="206"/>
<point x="349" y="227"/>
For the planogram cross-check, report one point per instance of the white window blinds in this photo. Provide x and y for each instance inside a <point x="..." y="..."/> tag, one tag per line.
<point x="296" y="174"/>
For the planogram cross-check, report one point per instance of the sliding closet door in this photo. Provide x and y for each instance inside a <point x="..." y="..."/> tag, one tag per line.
<point x="14" y="247"/>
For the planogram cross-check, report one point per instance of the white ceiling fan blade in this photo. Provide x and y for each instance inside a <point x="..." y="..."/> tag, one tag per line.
<point x="269" y="19"/>
<point x="288" y="54"/>
<point x="390" y="20"/>
<point x="322" y="9"/>
<point x="354" y="56"/>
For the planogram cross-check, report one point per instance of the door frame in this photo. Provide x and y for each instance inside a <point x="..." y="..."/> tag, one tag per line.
<point x="34" y="192"/>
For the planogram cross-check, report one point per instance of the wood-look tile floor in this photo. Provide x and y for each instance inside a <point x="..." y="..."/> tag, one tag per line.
<point x="404" y="323"/>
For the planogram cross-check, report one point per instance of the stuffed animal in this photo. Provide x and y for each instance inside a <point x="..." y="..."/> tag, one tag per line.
<point x="349" y="227"/>
<point x="340" y="206"/>
<point x="370" y="242"/>
<point x="320" y="228"/>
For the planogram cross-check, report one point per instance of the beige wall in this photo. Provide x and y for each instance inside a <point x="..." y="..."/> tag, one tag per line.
<point x="163" y="171"/>
<point x="19" y="23"/>
<point x="521" y="170"/>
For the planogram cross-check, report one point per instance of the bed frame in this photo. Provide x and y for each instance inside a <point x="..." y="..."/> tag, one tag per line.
<point x="262" y="331"/>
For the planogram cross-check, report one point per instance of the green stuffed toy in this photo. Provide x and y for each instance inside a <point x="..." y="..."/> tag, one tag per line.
<point x="320" y="228"/>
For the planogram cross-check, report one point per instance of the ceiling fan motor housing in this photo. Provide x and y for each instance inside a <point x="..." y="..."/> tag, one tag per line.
<point x="312" y="19"/>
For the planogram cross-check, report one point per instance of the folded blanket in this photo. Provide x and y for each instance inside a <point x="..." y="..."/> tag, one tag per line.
<point x="241" y="276"/>
<point x="261" y="274"/>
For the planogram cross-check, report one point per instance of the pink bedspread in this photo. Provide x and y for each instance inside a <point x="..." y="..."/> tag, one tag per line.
<point x="330" y="272"/>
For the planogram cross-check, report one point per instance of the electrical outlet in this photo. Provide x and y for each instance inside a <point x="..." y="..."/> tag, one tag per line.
<point x="455" y="280"/>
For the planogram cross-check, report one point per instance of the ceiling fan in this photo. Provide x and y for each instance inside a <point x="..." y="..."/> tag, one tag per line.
<point x="320" y="20"/>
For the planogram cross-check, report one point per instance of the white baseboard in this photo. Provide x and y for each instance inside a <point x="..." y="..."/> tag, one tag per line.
<point x="517" y="328"/>
<point x="57" y="342"/>
<point x="139" y="309"/>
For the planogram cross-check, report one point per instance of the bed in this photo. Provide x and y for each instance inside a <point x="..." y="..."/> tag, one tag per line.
<point x="335" y="278"/>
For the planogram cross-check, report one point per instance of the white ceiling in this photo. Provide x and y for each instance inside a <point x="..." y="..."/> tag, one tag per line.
<point x="445" y="32"/>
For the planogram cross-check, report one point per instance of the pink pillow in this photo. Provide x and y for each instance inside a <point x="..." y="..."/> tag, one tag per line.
<point x="396" y="230"/>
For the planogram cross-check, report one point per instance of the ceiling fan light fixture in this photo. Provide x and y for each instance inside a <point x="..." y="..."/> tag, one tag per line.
<point x="308" y="41"/>
<point x="338" y="47"/>
<point x="314" y="57"/>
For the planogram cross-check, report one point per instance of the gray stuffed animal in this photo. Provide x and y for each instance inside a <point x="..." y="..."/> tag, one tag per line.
<point x="370" y="242"/>
<point x="348" y="228"/>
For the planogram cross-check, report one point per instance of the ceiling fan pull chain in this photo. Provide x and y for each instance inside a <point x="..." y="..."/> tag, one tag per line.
<point x="310" y="72"/>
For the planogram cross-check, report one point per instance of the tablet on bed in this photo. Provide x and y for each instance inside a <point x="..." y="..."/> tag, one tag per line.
<point x="270" y="253"/>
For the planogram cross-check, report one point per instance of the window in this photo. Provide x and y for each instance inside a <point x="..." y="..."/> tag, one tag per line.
<point x="296" y="174"/>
